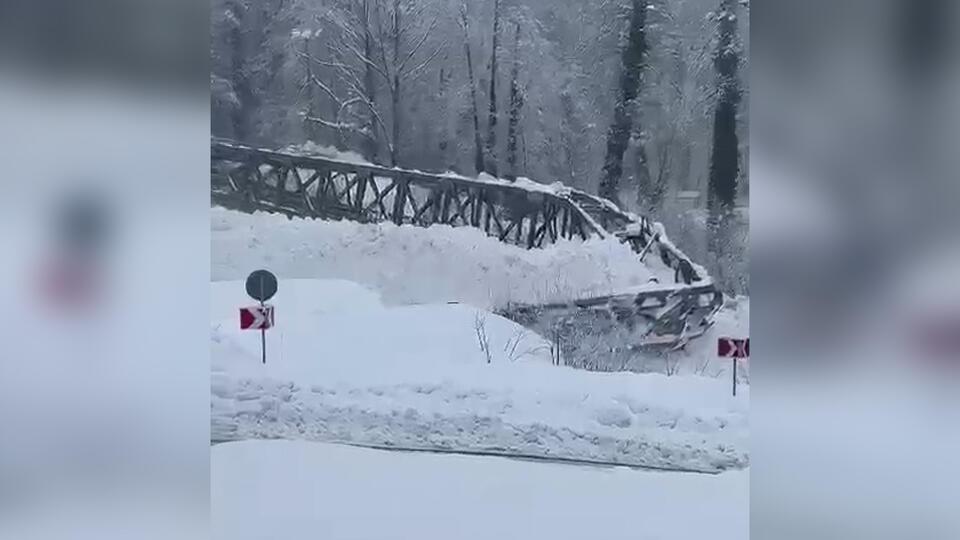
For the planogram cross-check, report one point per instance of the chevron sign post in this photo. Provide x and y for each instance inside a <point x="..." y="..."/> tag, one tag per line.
<point x="736" y="349"/>
<point x="261" y="285"/>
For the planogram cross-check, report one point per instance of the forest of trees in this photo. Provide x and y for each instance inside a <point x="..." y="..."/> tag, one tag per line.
<point x="636" y="100"/>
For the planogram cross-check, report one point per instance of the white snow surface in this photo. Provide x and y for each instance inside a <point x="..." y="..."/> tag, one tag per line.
<point x="264" y="490"/>
<point x="312" y="149"/>
<point x="409" y="264"/>
<point x="344" y="367"/>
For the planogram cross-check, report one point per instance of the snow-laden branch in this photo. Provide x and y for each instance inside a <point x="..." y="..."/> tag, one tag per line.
<point x="413" y="72"/>
<point x="418" y="45"/>
<point x="366" y="61"/>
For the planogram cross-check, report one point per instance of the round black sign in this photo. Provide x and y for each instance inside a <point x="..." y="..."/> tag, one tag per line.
<point x="261" y="285"/>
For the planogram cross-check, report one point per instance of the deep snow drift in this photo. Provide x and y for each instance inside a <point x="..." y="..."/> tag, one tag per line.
<point x="294" y="490"/>
<point x="409" y="264"/>
<point x="344" y="367"/>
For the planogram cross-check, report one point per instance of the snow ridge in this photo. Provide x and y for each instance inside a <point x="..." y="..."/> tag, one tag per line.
<point x="269" y="409"/>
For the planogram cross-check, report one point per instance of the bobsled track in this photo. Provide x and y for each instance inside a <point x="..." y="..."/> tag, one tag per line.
<point x="654" y="317"/>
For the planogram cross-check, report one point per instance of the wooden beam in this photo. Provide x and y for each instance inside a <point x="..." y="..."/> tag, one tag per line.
<point x="583" y="232"/>
<point x="232" y="182"/>
<point x="554" y="212"/>
<point x="445" y="210"/>
<point x="413" y="202"/>
<point x="531" y="235"/>
<point x="380" y="196"/>
<point x="492" y="211"/>
<point x="504" y="233"/>
<point x="461" y="207"/>
<point x="322" y="191"/>
<point x="541" y="231"/>
<point x="361" y="195"/>
<point x="313" y="178"/>
<point x="296" y="174"/>
<point x="399" y="199"/>
<point x="349" y="183"/>
<point x="423" y="209"/>
<point x="565" y="222"/>
<point x="436" y="195"/>
<point x="281" y="173"/>
<point x="487" y="208"/>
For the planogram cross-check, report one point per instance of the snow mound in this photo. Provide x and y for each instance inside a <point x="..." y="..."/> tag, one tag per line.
<point x="342" y="367"/>
<point x="312" y="149"/>
<point x="409" y="264"/>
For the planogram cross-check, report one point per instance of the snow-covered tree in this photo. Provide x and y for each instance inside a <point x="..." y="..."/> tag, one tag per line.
<point x="632" y="60"/>
<point x="531" y="88"/>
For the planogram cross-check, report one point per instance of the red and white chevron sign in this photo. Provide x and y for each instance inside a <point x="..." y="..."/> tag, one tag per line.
<point x="733" y="348"/>
<point x="256" y="317"/>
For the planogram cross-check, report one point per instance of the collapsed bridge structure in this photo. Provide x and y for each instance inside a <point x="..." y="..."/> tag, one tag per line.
<point x="657" y="316"/>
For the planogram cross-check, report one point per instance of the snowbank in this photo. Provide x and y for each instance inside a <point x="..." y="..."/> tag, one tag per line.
<point x="313" y="149"/>
<point x="408" y="264"/>
<point x="343" y="367"/>
<point x="294" y="490"/>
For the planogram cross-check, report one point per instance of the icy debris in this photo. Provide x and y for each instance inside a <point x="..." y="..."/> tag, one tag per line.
<point x="312" y="149"/>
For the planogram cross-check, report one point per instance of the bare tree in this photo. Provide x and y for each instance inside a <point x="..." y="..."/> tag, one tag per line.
<point x="725" y="155"/>
<point x="492" y="121"/>
<point x="381" y="39"/>
<point x="671" y="364"/>
<point x="478" y="140"/>
<point x="350" y="85"/>
<point x="512" y="348"/>
<point x="516" y="104"/>
<point x="631" y="69"/>
<point x="480" y="327"/>
<point x="405" y="35"/>
<point x="347" y="79"/>
<point x="251" y="32"/>
<point x="442" y="96"/>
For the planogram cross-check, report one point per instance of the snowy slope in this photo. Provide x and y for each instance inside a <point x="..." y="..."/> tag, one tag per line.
<point x="265" y="490"/>
<point x="408" y="264"/>
<point x="344" y="367"/>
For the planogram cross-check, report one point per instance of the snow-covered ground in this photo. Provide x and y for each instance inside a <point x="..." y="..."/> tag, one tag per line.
<point x="344" y="367"/>
<point x="408" y="264"/>
<point x="265" y="490"/>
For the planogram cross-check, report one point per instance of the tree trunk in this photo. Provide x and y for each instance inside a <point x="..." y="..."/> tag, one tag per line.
<point x="724" y="158"/>
<point x="645" y="185"/>
<point x="241" y="84"/>
<point x="618" y="137"/>
<point x="516" y="103"/>
<point x="395" y="111"/>
<point x="478" y="140"/>
<point x="395" y="87"/>
<point x="492" y="123"/>
<point x="442" y="102"/>
<point x="370" y="142"/>
<point x="309" y="127"/>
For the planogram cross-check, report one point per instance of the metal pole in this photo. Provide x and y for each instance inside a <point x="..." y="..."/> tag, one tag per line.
<point x="734" y="375"/>
<point x="263" y="331"/>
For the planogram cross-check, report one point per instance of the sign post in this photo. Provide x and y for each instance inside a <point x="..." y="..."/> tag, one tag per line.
<point x="261" y="285"/>
<point x="735" y="349"/>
